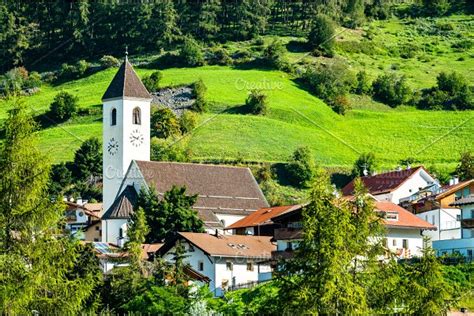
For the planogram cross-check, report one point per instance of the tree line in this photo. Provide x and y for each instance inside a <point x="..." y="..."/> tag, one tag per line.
<point x="31" y="33"/>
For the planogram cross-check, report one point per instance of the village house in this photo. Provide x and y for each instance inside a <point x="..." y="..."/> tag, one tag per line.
<point x="437" y="209"/>
<point x="260" y="223"/>
<point x="229" y="261"/>
<point x="83" y="219"/>
<point x="225" y="194"/>
<point x="396" y="185"/>
<point x="403" y="237"/>
<point x="465" y="244"/>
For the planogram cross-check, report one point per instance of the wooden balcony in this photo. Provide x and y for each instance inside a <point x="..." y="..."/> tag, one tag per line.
<point x="467" y="223"/>
<point x="288" y="233"/>
<point x="282" y="255"/>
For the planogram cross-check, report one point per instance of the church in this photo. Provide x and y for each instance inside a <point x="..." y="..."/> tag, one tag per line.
<point x="226" y="194"/>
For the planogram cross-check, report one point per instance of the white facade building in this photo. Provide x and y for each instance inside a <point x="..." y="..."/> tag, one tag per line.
<point x="447" y="220"/>
<point x="229" y="261"/>
<point x="395" y="185"/>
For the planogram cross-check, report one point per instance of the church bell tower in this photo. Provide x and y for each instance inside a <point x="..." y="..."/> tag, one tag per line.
<point x="126" y="128"/>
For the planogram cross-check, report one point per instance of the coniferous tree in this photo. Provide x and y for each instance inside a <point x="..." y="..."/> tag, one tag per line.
<point x="88" y="160"/>
<point x="37" y="263"/>
<point x="169" y="215"/>
<point x="319" y="278"/>
<point x="137" y="231"/>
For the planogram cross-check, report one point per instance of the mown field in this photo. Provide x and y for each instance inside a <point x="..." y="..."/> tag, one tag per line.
<point x="295" y="116"/>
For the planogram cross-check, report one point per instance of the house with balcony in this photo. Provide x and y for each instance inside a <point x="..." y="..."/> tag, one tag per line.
<point x="260" y="222"/>
<point x="396" y="185"/>
<point x="438" y="209"/>
<point x="228" y="261"/>
<point x="403" y="237"/>
<point x="83" y="219"/>
<point x="465" y="244"/>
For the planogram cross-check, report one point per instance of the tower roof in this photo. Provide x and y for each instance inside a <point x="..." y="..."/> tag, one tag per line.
<point x="126" y="84"/>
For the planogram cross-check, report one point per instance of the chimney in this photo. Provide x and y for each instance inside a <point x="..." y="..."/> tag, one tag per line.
<point x="451" y="181"/>
<point x="456" y="180"/>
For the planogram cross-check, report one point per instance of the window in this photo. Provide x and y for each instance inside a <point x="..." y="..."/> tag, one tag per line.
<point x="96" y="239"/>
<point x="405" y="243"/>
<point x="201" y="266"/>
<point x="97" y="227"/>
<point x="472" y="213"/>
<point x="137" y="120"/>
<point x="113" y="119"/>
<point x="288" y="246"/>
<point x="469" y="253"/>
<point x="394" y="243"/>
<point x="250" y="266"/>
<point x="121" y="233"/>
<point x="229" y="266"/>
<point x="458" y="217"/>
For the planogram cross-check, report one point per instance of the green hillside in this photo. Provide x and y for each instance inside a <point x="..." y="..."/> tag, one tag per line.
<point x="296" y="117"/>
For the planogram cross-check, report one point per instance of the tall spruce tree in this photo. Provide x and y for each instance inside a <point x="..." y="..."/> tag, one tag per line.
<point x="319" y="278"/>
<point x="37" y="263"/>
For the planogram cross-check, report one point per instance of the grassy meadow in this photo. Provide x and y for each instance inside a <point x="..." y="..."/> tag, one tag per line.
<point x="296" y="117"/>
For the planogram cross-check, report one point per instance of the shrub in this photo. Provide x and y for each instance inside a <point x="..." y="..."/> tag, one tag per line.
<point x="152" y="82"/>
<point x="391" y="89"/>
<point x="199" y="94"/>
<point x="220" y="56"/>
<point x="164" y="123"/>
<point x="340" y="104"/>
<point x="191" y="53"/>
<point x="108" y="61"/>
<point x="187" y="121"/>
<point x="167" y="150"/>
<point x="363" y="84"/>
<point x="275" y="55"/>
<point x="436" y="7"/>
<point x="74" y="71"/>
<point x="256" y="103"/>
<point x="452" y="92"/>
<point x="33" y="81"/>
<point x="321" y="35"/>
<point x="12" y="82"/>
<point x="64" y="106"/>
<point x="301" y="167"/>
<point x="330" y="82"/>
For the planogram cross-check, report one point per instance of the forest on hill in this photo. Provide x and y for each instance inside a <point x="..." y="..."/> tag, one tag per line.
<point x="37" y="33"/>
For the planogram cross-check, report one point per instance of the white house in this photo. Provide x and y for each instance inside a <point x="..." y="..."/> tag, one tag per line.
<point x="465" y="244"/>
<point x="396" y="185"/>
<point x="403" y="237"/>
<point x="438" y="209"/>
<point x="80" y="215"/>
<point x="225" y="194"/>
<point x="229" y="261"/>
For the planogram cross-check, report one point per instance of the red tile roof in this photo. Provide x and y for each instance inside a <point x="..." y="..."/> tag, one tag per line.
<point x="262" y="216"/>
<point x="383" y="182"/>
<point x="405" y="218"/>
<point x="232" y="245"/>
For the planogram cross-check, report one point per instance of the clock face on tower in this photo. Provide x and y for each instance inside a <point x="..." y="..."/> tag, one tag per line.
<point x="112" y="146"/>
<point x="136" y="138"/>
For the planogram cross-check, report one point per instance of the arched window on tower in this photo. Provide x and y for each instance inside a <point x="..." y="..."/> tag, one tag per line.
<point x="113" y="119"/>
<point x="137" y="116"/>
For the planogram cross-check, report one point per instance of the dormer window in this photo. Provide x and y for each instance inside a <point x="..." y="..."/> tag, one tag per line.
<point x="137" y="120"/>
<point x="391" y="216"/>
<point x="113" y="117"/>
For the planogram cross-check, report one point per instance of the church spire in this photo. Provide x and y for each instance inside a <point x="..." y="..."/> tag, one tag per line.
<point x="126" y="83"/>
